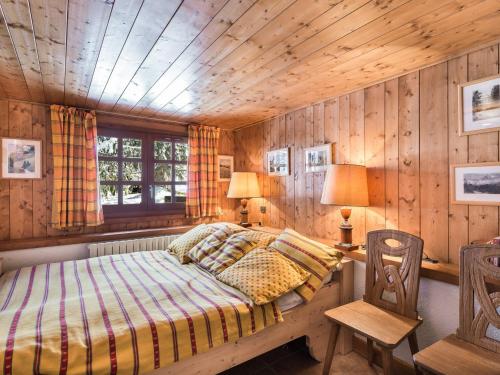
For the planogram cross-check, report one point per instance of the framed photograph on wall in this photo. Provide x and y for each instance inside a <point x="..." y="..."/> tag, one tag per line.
<point x="477" y="183"/>
<point x="480" y="103"/>
<point x="318" y="158"/>
<point x="21" y="158"/>
<point x="278" y="162"/>
<point x="225" y="166"/>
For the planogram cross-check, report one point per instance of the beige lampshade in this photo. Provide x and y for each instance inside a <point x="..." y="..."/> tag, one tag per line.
<point x="345" y="185"/>
<point x="243" y="185"/>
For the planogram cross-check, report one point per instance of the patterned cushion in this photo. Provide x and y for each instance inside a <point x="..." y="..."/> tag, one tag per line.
<point x="262" y="239"/>
<point x="264" y="275"/>
<point x="210" y="244"/>
<point x="229" y="253"/>
<point x="235" y="228"/>
<point x="494" y="241"/>
<point x="314" y="257"/>
<point x="181" y="245"/>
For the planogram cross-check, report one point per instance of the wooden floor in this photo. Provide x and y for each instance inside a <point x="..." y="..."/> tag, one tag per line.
<point x="293" y="358"/>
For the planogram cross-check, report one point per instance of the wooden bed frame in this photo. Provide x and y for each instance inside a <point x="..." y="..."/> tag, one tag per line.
<point x="304" y="320"/>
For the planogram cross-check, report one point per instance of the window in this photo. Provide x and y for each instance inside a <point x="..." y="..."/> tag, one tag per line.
<point x="140" y="172"/>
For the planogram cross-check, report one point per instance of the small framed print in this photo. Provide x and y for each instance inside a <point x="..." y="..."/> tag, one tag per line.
<point x="278" y="162"/>
<point x="475" y="184"/>
<point x="21" y="158"/>
<point x="225" y="166"/>
<point x="480" y="103"/>
<point x="318" y="158"/>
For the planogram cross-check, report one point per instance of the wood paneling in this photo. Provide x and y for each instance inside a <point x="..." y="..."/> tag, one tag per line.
<point x="25" y="205"/>
<point x="405" y="131"/>
<point x="225" y="62"/>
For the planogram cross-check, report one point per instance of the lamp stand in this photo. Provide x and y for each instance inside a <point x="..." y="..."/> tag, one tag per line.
<point x="244" y="214"/>
<point x="346" y="232"/>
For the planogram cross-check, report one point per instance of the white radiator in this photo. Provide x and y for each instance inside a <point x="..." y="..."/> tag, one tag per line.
<point x="130" y="246"/>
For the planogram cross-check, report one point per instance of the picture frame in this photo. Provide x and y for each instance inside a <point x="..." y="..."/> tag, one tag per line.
<point x="475" y="184"/>
<point x="278" y="162"/>
<point x="317" y="159"/>
<point x="225" y="167"/>
<point x="21" y="158"/>
<point x="479" y="103"/>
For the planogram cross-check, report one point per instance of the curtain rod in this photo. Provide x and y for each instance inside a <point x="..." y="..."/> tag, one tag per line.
<point x="97" y="111"/>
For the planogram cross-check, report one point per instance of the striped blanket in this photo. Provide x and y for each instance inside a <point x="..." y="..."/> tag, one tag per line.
<point x="126" y="314"/>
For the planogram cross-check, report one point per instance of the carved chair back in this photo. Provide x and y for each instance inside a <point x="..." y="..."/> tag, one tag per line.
<point x="480" y="296"/>
<point x="399" y="281"/>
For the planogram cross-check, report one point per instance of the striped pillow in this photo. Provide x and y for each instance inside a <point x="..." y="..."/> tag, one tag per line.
<point x="229" y="253"/>
<point x="181" y="245"/>
<point x="209" y="245"/>
<point x="314" y="257"/>
<point x="262" y="239"/>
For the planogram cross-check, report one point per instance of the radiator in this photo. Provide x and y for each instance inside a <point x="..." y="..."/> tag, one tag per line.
<point x="130" y="246"/>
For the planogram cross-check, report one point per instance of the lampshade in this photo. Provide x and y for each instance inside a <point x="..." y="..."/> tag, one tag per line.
<point x="345" y="185"/>
<point x="243" y="185"/>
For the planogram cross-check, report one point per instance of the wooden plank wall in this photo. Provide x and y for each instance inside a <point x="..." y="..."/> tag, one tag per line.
<point x="405" y="131"/>
<point x="25" y="205"/>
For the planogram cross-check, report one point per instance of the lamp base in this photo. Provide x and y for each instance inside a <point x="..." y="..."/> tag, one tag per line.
<point x="245" y="225"/>
<point x="346" y="246"/>
<point x="346" y="232"/>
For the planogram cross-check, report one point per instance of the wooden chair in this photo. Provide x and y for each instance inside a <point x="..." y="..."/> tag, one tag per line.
<point x="384" y="321"/>
<point x="473" y="350"/>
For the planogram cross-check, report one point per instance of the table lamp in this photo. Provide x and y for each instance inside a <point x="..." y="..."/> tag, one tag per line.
<point x="345" y="185"/>
<point x="244" y="185"/>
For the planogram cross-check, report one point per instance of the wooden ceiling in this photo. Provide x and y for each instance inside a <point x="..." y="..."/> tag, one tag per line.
<point x="224" y="62"/>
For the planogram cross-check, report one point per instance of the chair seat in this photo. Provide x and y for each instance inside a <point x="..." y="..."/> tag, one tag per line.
<point x="455" y="356"/>
<point x="384" y="327"/>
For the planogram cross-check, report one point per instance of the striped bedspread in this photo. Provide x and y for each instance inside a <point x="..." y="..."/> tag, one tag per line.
<point x="119" y="314"/>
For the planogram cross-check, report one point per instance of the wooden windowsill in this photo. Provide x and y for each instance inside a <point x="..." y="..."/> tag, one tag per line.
<point x="71" y="239"/>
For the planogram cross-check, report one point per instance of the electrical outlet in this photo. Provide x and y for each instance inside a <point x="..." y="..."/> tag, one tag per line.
<point x="262" y="209"/>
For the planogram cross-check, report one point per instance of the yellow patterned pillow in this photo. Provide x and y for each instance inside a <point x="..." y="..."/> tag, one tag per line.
<point x="181" y="245"/>
<point x="210" y="244"/>
<point x="235" y="228"/>
<point x="264" y="275"/>
<point x="229" y="253"/>
<point x="261" y="239"/>
<point x="314" y="257"/>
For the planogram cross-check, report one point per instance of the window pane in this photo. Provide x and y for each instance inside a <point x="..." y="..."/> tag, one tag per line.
<point x="109" y="195"/>
<point x="181" y="152"/>
<point x="132" y="194"/>
<point x="163" y="172"/>
<point x="180" y="193"/>
<point x="163" y="194"/>
<point x="181" y="173"/>
<point x="132" y="148"/>
<point x="163" y="150"/>
<point x="107" y="146"/>
<point x="108" y="170"/>
<point x="132" y="171"/>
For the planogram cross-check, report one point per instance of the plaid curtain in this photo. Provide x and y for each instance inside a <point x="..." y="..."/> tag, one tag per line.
<point x="201" y="197"/>
<point x="75" y="201"/>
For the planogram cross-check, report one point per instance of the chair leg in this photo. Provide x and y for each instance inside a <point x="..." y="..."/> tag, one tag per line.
<point x="387" y="361"/>
<point x="412" y="340"/>
<point x="369" y="351"/>
<point x="332" y="341"/>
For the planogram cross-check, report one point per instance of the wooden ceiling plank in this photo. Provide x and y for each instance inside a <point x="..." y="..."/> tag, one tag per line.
<point x="152" y="19"/>
<point x="120" y="23"/>
<point x="231" y="12"/>
<point x="423" y="28"/>
<point x="297" y="23"/>
<point x="11" y="74"/>
<point x="87" y="22"/>
<point x="191" y="18"/>
<point x="17" y="15"/>
<point x="444" y="46"/>
<point x="255" y="18"/>
<point x="49" y="26"/>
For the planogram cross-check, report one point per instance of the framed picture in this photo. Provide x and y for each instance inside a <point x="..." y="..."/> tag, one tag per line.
<point x="318" y="158"/>
<point x="475" y="184"/>
<point x="278" y="162"/>
<point x="226" y="167"/>
<point x="21" y="158"/>
<point x="480" y="103"/>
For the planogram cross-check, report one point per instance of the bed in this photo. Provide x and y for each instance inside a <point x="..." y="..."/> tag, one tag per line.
<point x="144" y="312"/>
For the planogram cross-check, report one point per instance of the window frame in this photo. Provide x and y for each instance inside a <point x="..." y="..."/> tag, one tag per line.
<point x="147" y="207"/>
